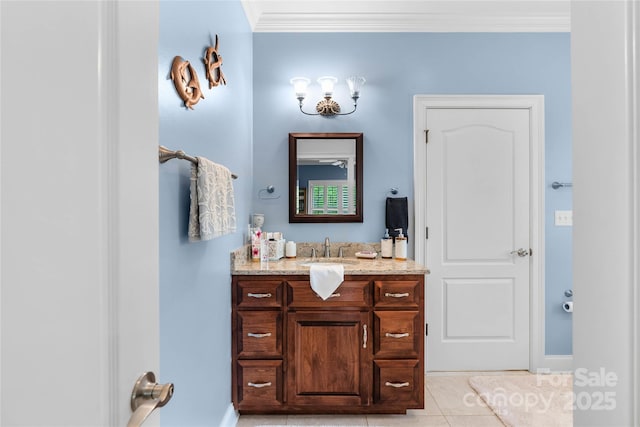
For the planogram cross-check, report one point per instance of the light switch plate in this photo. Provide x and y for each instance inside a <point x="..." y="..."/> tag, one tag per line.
<point x="564" y="218"/>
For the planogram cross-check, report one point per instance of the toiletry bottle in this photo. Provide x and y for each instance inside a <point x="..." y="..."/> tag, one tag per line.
<point x="401" y="246"/>
<point x="256" y="239"/>
<point x="264" y="249"/>
<point x="290" y="249"/>
<point x="386" y="245"/>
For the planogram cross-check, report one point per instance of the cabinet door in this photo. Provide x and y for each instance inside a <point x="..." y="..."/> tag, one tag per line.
<point x="329" y="358"/>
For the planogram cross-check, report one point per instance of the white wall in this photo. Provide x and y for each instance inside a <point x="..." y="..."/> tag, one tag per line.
<point x="605" y="119"/>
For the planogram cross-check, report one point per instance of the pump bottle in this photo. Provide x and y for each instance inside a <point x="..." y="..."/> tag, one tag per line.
<point x="401" y="246"/>
<point x="386" y="245"/>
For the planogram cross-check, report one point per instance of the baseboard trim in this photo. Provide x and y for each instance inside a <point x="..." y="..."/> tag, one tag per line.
<point x="556" y="363"/>
<point x="230" y="418"/>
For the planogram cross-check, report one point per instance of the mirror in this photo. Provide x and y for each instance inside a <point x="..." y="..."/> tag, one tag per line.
<point x="325" y="177"/>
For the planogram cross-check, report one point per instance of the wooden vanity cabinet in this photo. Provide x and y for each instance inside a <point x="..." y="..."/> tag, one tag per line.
<point x="359" y="351"/>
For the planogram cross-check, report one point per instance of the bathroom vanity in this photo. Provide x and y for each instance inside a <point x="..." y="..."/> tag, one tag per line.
<point x="360" y="351"/>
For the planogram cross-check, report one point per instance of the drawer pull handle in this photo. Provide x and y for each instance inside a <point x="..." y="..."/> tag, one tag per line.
<point x="259" y="385"/>
<point x="396" y="385"/>
<point x="335" y="295"/>
<point x="251" y="334"/>
<point x="394" y="295"/>
<point x="391" y="335"/>
<point x="364" y="336"/>
<point x="252" y="295"/>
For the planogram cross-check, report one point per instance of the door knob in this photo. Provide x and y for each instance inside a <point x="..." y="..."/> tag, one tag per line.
<point x="148" y="395"/>
<point x="522" y="252"/>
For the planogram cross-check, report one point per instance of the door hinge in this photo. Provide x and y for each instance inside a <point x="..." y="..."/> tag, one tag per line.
<point x="427" y="233"/>
<point x="426" y="329"/>
<point x="426" y="136"/>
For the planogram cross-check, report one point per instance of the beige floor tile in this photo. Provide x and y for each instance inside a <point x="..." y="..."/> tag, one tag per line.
<point x="262" y="420"/>
<point x="474" y="421"/>
<point x="327" y="420"/>
<point x="454" y="396"/>
<point x="474" y="373"/>
<point x="430" y="406"/>
<point x="409" y="420"/>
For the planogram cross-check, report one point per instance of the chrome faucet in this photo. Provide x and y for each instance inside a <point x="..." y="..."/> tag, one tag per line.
<point x="327" y="248"/>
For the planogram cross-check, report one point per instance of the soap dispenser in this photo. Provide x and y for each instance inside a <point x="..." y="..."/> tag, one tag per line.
<point x="401" y="246"/>
<point x="386" y="245"/>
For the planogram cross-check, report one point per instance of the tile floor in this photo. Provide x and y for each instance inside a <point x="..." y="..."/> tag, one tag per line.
<point x="449" y="402"/>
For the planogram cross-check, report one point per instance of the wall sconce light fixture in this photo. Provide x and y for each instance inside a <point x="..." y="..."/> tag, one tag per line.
<point x="327" y="106"/>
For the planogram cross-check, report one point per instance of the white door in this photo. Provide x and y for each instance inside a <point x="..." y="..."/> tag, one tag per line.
<point x="79" y="216"/>
<point x="478" y="217"/>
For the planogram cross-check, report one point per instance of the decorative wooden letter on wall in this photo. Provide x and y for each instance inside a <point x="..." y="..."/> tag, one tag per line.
<point x="186" y="82"/>
<point x="213" y="65"/>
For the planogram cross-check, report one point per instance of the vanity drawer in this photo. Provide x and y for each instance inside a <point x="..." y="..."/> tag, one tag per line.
<point x="398" y="381"/>
<point x="259" y="334"/>
<point x="404" y="294"/>
<point x="259" y="293"/>
<point x="260" y="383"/>
<point x="397" y="334"/>
<point x="351" y="293"/>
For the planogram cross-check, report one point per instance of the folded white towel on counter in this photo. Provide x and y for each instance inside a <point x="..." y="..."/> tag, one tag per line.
<point x="212" y="211"/>
<point x="326" y="278"/>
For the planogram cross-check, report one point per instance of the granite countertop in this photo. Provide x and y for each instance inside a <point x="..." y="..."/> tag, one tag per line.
<point x="352" y="266"/>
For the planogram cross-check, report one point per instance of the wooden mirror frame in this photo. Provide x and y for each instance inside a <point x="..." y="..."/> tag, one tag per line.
<point x="295" y="217"/>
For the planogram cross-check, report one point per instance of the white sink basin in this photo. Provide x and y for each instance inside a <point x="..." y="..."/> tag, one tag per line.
<point x="309" y="262"/>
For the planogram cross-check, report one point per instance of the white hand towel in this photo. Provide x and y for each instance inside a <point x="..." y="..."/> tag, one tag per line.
<point x="325" y="278"/>
<point x="212" y="211"/>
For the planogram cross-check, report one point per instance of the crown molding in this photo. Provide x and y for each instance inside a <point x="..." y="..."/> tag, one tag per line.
<point x="408" y="16"/>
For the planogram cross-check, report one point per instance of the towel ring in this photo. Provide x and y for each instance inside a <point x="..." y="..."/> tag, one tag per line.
<point x="269" y="189"/>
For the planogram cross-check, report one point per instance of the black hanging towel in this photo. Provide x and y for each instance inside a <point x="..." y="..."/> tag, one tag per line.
<point x="397" y="215"/>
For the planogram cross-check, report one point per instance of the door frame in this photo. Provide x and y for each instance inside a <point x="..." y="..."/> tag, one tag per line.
<point x="535" y="105"/>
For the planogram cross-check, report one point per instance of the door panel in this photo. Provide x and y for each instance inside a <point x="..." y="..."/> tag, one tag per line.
<point x="478" y="212"/>
<point x="480" y="309"/>
<point x="478" y="201"/>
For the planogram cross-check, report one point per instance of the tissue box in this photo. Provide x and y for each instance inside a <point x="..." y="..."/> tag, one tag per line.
<point x="276" y="249"/>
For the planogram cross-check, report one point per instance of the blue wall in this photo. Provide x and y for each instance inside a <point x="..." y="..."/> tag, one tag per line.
<point x="195" y="300"/>
<point x="397" y="67"/>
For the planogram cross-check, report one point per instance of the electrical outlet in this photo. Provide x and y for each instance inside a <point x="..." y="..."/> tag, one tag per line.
<point x="564" y="218"/>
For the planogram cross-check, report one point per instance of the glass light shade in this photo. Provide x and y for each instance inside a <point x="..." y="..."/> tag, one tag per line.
<point x="300" y="86"/>
<point x="327" y="83"/>
<point x="355" y="84"/>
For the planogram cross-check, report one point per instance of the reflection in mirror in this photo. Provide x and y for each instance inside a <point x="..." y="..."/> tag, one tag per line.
<point x="325" y="177"/>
